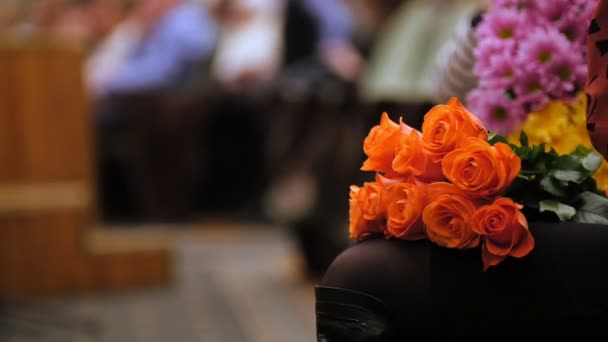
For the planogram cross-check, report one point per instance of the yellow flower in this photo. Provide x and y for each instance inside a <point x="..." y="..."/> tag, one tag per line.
<point x="563" y="126"/>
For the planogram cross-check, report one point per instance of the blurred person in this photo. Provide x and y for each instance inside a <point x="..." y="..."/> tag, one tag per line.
<point x="134" y="75"/>
<point x="249" y="41"/>
<point x="320" y="65"/>
<point x="277" y="43"/>
<point x="240" y="65"/>
<point x="323" y="64"/>
<point x="335" y="46"/>
<point x="278" y="47"/>
<point x="151" y="48"/>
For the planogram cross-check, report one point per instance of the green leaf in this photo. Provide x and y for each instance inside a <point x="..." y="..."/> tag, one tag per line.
<point x="553" y="186"/>
<point x="523" y="138"/>
<point x="566" y="162"/>
<point x="568" y="175"/>
<point x="522" y="152"/>
<point x="563" y="211"/>
<point x="581" y="151"/>
<point x="494" y="138"/>
<point x="591" y="162"/>
<point x="537" y="151"/>
<point x="593" y="209"/>
<point x="540" y="167"/>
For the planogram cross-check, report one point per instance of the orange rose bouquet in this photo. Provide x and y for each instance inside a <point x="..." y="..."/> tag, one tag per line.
<point x="460" y="187"/>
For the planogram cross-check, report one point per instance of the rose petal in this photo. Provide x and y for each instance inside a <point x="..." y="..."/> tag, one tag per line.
<point x="490" y="259"/>
<point x="496" y="247"/>
<point x="406" y="129"/>
<point x="386" y="181"/>
<point x="524" y="246"/>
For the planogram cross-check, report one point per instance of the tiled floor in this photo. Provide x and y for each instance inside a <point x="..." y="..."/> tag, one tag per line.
<point x="233" y="284"/>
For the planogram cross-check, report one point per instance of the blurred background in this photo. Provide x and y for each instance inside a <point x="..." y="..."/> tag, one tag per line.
<point x="179" y="170"/>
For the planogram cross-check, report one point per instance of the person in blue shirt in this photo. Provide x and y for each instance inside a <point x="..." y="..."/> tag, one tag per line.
<point x="152" y="48"/>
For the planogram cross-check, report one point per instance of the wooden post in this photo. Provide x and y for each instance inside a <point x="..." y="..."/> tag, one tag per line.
<point x="48" y="246"/>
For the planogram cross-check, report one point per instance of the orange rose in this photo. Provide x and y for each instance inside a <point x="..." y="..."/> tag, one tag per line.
<point x="478" y="167"/>
<point x="404" y="203"/>
<point x="387" y="181"/>
<point x="412" y="160"/>
<point x="447" y="216"/>
<point x="366" y="210"/>
<point x="379" y="145"/>
<point x="505" y="231"/>
<point x="446" y="126"/>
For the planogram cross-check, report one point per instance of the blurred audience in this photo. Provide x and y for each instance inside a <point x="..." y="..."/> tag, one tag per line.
<point x="289" y="93"/>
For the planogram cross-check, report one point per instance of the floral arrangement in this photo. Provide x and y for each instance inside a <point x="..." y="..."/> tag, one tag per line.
<point x="528" y="53"/>
<point x="531" y="67"/>
<point x="460" y="187"/>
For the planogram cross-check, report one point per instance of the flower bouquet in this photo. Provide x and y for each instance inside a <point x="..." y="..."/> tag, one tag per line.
<point x="461" y="187"/>
<point x="531" y="67"/>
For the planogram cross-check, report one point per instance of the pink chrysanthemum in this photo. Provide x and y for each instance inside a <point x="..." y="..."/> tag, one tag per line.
<point x="528" y="53"/>
<point x="553" y="10"/>
<point x="499" y="113"/>
<point x="540" y="48"/>
<point x="529" y="90"/>
<point x="486" y="49"/>
<point x="515" y="4"/>
<point x="571" y="27"/>
<point x="560" y="78"/>
<point x="504" y="25"/>
<point x="500" y="71"/>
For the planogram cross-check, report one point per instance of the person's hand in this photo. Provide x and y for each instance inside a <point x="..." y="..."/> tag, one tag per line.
<point x="342" y="59"/>
<point x="250" y="78"/>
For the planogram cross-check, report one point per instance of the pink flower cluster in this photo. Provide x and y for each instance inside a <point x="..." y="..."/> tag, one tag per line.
<point x="528" y="53"/>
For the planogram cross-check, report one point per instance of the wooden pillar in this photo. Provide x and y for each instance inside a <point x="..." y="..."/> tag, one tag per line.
<point x="47" y="178"/>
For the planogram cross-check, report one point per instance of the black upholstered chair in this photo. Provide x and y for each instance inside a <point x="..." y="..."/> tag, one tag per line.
<point x="392" y="290"/>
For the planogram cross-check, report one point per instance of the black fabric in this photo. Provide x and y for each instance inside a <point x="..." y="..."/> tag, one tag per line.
<point x="560" y="289"/>
<point x="301" y="33"/>
<point x="345" y="315"/>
